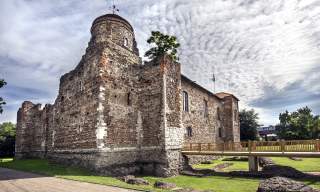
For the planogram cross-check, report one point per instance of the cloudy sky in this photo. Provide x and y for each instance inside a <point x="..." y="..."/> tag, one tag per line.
<point x="267" y="52"/>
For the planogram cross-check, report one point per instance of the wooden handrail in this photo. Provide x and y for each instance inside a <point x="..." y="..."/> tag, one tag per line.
<point x="258" y="146"/>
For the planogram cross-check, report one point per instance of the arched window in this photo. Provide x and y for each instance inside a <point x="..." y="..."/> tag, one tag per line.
<point x="185" y="101"/>
<point x="189" y="131"/>
<point x="125" y="42"/>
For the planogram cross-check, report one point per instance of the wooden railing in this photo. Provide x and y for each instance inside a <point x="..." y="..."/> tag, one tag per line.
<point x="257" y="146"/>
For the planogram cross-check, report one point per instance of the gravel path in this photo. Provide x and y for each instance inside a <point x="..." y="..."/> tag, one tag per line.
<point x="18" y="181"/>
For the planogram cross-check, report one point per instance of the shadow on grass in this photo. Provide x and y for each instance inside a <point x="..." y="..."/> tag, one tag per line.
<point x="36" y="168"/>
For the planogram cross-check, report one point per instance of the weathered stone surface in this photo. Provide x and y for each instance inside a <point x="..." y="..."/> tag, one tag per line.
<point x="281" y="184"/>
<point x="117" y="116"/>
<point x="137" y="181"/>
<point x="196" y="159"/>
<point x="164" y="185"/>
<point x="265" y="161"/>
<point x="126" y="178"/>
<point x="221" y="114"/>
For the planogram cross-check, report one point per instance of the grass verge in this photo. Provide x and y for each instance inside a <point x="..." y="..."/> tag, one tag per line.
<point x="215" y="183"/>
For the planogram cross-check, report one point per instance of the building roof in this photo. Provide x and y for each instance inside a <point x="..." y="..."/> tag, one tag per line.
<point x="219" y="96"/>
<point x="223" y="95"/>
<point x="113" y="17"/>
<point x="183" y="77"/>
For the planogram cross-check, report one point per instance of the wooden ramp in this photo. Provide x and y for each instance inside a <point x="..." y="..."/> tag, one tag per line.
<point x="257" y="154"/>
<point x="255" y="149"/>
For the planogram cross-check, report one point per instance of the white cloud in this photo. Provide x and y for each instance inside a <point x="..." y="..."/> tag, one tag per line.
<point x="249" y="44"/>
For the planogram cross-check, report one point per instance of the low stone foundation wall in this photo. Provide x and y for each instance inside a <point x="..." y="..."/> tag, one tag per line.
<point x="197" y="159"/>
<point x="30" y="155"/>
<point x="119" y="163"/>
<point x="153" y="161"/>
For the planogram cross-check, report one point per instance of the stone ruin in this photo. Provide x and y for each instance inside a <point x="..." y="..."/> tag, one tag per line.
<point x="116" y="115"/>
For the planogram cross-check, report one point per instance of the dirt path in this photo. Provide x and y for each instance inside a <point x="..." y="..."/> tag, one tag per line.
<point x="18" y="181"/>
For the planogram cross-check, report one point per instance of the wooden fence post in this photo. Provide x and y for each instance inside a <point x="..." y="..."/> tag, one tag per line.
<point x="282" y="145"/>
<point x="318" y="145"/>
<point x="254" y="145"/>
<point x="249" y="145"/>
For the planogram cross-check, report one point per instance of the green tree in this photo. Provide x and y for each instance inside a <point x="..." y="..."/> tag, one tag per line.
<point x="248" y="124"/>
<point x="7" y="139"/>
<point x="2" y="83"/>
<point x="300" y="124"/>
<point x="165" y="44"/>
<point x="7" y="129"/>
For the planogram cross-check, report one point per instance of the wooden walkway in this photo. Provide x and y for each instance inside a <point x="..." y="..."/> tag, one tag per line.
<point x="301" y="148"/>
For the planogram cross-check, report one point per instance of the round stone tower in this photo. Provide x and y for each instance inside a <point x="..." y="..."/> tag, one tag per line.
<point x="112" y="27"/>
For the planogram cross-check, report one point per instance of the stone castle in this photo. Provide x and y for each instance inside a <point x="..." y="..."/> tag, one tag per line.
<point x="117" y="115"/>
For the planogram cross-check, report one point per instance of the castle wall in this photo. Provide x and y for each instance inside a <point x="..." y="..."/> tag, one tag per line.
<point x="231" y="119"/>
<point x="75" y="109"/>
<point x="204" y="126"/>
<point x="115" y="115"/>
<point x="32" y="130"/>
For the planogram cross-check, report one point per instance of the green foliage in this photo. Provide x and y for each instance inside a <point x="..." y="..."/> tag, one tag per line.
<point x="248" y="124"/>
<point x="165" y="44"/>
<point x="300" y="124"/>
<point x="7" y="139"/>
<point x="2" y="83"/>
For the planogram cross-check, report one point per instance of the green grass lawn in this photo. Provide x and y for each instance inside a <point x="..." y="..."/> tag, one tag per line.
<point x="215" y="183"/>
<point x="306" y="165"/>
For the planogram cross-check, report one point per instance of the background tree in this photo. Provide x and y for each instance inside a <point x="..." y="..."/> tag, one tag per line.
<point x="248" y="125"/>
<point x="7" y="139"/>
<point x="165" y="44"/>
<point x="300" y="124"/>
<point x="2" y="83"/>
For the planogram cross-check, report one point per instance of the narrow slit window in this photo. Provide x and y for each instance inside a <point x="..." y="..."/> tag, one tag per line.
<point x="219" y="113"/>
<point x="205" y="108"/>
<point x="236" y="115"/>
<point x="129" y="99"/>
<point x="125" y="42"/>
<point x="189" y="131"/>
<point x="220" y="132"/>
<point x="185" y="101"/>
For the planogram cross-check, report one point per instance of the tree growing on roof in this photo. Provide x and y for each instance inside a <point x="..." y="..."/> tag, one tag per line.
<point x="164" y="44"/>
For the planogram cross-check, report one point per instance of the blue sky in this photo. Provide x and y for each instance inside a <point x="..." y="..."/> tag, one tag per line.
<point x="267" y="53"/>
